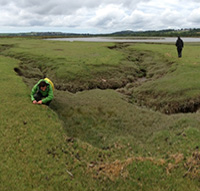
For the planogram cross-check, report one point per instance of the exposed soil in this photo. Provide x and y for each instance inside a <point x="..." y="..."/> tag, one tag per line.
<point x="117" y="78"/>
<point x="124" y="82"/>
<point x="5" y="46"/>
<point x="171" y="107"/>
<point x="189" y="106"/>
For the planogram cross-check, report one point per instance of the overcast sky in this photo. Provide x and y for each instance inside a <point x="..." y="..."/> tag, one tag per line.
<point x="97" y="16"/>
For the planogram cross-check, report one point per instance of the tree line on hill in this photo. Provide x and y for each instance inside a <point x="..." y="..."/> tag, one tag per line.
<point x="195" y="32"/>
<point x="165" y="33"/>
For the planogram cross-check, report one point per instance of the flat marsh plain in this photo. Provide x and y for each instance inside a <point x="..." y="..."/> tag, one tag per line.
<point x="125" y="116"/>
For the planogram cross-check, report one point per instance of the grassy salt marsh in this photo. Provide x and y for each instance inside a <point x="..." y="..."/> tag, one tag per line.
<point x="125" y="116"/>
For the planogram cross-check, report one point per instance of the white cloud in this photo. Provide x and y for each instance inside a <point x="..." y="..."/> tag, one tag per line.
<point x="195" y="16"/>
<point x="107" y="16"/>
<point x="171" y="17"/>
<point x="103" y="16"/>
<point x="137" y="20"/>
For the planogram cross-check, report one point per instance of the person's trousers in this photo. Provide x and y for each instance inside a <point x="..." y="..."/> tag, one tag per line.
<point x="179" y="50"/>
<point x="38" y="96"/>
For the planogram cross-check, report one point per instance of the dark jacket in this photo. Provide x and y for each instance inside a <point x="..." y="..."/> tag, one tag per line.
<point x="179" y="43"/>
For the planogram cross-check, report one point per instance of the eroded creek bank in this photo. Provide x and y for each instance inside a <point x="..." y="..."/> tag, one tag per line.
<point x="143" y="66"/>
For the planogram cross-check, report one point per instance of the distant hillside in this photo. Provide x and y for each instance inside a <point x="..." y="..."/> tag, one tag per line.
<point x="167" y="32"/>
<point x="42" y="34"/>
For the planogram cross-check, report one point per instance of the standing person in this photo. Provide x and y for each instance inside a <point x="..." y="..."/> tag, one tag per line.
<point x="42" y="92"/>
<point x="179" y="45"/>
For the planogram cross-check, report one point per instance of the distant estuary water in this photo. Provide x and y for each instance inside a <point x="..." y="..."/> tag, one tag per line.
<point x="128" y="39"/>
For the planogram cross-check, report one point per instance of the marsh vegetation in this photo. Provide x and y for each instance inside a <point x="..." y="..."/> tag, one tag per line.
<point x="125" y="116"/>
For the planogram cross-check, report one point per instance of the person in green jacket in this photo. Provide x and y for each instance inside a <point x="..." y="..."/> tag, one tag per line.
<point x="42" y="92"/>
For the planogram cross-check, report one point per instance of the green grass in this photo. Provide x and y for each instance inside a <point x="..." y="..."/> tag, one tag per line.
<point x="35" y="152"/>
<point x="179" y="86"/>
<point x="74" y="66"/>
<point x="98" y="139"/>
<point x="24" y="160"/>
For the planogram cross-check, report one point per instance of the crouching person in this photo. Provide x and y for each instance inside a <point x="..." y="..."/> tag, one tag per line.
<point x="42" y="92"/>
